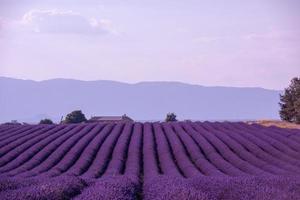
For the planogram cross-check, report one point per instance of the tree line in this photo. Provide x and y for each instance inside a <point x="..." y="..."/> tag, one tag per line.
<point x="77" y="116"/>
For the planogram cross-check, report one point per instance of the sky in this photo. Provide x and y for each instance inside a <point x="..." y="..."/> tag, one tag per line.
<point x="207" y="42"/>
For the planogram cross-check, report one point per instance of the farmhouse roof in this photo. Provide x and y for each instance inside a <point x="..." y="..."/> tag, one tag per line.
<point x="110" y="118"/>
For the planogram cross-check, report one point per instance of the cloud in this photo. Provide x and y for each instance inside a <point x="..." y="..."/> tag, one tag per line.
<point x="61" y="22"/>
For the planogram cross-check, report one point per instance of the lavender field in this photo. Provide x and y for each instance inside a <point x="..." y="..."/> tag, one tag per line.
<point x="178" y="160"/>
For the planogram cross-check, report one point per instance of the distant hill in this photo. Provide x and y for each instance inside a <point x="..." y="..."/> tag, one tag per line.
<point x="26" y="100"/>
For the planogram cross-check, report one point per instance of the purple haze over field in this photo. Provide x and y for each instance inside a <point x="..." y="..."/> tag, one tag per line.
<point x="229" y="43"/>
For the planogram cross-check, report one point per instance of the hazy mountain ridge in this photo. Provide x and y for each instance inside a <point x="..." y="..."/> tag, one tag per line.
<point x="27" y="100"/>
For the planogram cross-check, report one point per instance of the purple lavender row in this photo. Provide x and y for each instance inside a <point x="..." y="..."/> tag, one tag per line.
<point x="23" y="136"/>
<point x="7" y="131"/>
<point x="228" y="154"/>
<point x="242" y="151"/>
<point x="264" y="135"/>
<point x="15" y="133"/>
<point x="12" y="150"/>
<point x="75" y="152"/>
<point x="150" y="160"/>
<point x="197" y="156"/>
<point x="283" y="142"/>
<point x="183" y="161"/>
<point x="111" y="188"/>
<point x="90" y="152"/>
<point x="30" y="161"/>
<point x="58" y="188"/>
<point x="290" y="134"/>
<point x="118" y="158"/>
<point x="210" y="152"/>
<point x="295" y="133"/>
<point x="291" y="137"/>
<point x="212" y="188"/>
<point x="25" y="155"/>
<point x="99" y="164"/>
<point x="113" y="185"/>
<point x="262" y="147"/>
<point x="269" y="148"/>
<point x="255" y="149"/>
<point x="4" y="128"/>
<point x="167" y="163"/>
<point x="132" y="166"/>
<point x="56" y="156"/>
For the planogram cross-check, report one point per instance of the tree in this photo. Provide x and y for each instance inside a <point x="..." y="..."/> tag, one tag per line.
<point x="46" y="121"/>
<point x="290" y="102"/>
<point x="171" y="117"/>
<point x="75" y="117"/>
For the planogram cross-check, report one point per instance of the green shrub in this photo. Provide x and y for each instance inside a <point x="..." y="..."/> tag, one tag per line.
<point x="171" y="117"/>
<point x="75" y="117"/>
<point x="290" y="102"/>
<point x="46" y="121"/>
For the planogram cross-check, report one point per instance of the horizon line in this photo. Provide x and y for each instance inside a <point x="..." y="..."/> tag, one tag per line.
<point x="141" y="82"/>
